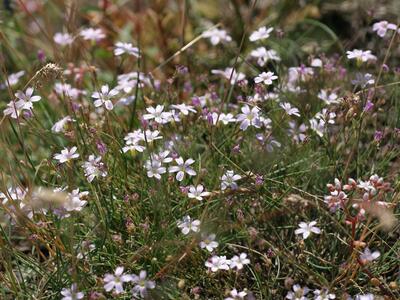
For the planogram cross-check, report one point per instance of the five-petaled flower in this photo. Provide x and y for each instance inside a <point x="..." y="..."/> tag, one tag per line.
<point x="157" y="114"/>
<point x="72" y="293"/>
<point x="66" y="155"/>
<point x="115" y="281"/>
<point x="182" y="168"/>
<point x="235" y="295"/>
<point x="121" y="48"/>
<point x="216" y="36"/>
<point x="104" y="97"/>
<point x="266" y="78"/>
<point x="240" y="261"/>
<point x="208" y="242"/>
<point x="187" y="225"/>
<point x="197" y="192"/>
<point x="261" y="34"/>
<point x="229" y="180"/>
<point x="142" y="285"/>
<point x="249" y="117"/>
<point x="307" y="228"/>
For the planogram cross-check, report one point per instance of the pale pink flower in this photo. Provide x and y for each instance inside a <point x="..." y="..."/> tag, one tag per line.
<point x="382" y="27"/>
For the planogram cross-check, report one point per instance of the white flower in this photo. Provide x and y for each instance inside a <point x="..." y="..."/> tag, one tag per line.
<point x="266" y="78"/>
<point x="208" y="242"/>
<point x="60" y="125"/>
<point x="216" y="263"/>
<point x="121" y="48"/>
<point x="297" y="133"/>
<point x="361" y="55"/>
<point x="115" y="281"/>
<point x="316" y="63"/>
<point x="67" y="90"/>
<point x="182" y="168"/>
<point x="307" y="228"/>
<point x="289" y="109"/>
<point x="268" y="141"/>
<point x="63" y="39"/>
<point x="72" y="293"/>
<point x="133" y="147"/>
<point x="365" y="297"/>
<point x="186" y="225"/>
<point x="141" y="284"/>
<point x="13" y="193"/>
<point x="183" y="108"/>
<point x="126" y="100"/>
<point x="25" y="100"/>
<point x="228" y="180"/>
<point x="261" y="34"/>
<point x="226" y="118"/>
<point x="13" y="109"/>
<point x="301" y="73"/>
<point x="363" y="79"/>
<point x="368" y="256"/>
<point x="154" y="168"/>
<point x="197" y="192"/>
<point x="216" y="36"/>
<point x="263" y="55"/>
<point x="239" y="261"/>
<point x="235" y="295"/>
<point x="66" y="155"/>
<point x="74" y="201"/>
<point x="151" y="136"/>
<point x="157" y="114"/>
<point x="382" y="27"/>
<point x="299" y="293"/>
<point x="104" y="97"/>
<point x="323" y="295"/>
<point x="231" y="74"/>
<point x="162" y="157"/>
<point x="92" y="34"/>
<point x="326" y="116"/>
<point x="248" y="117"/>
<point x="12" y="79"/>
<point x="328" y="98"/>
<point x="366" y="185"/>
<point x="318" y="125"/>
<point x="94" y="167"/>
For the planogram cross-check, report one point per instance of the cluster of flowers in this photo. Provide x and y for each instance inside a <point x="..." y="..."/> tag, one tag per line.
<point x="41" y="201"/>
<point x="250" y="116"/>
<point x="115" y="282"/>
<point x="215" y="263"/>
<point x="24" y="103"/>
<point x="370" y="191"/>
<point x="302" y="293"/>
